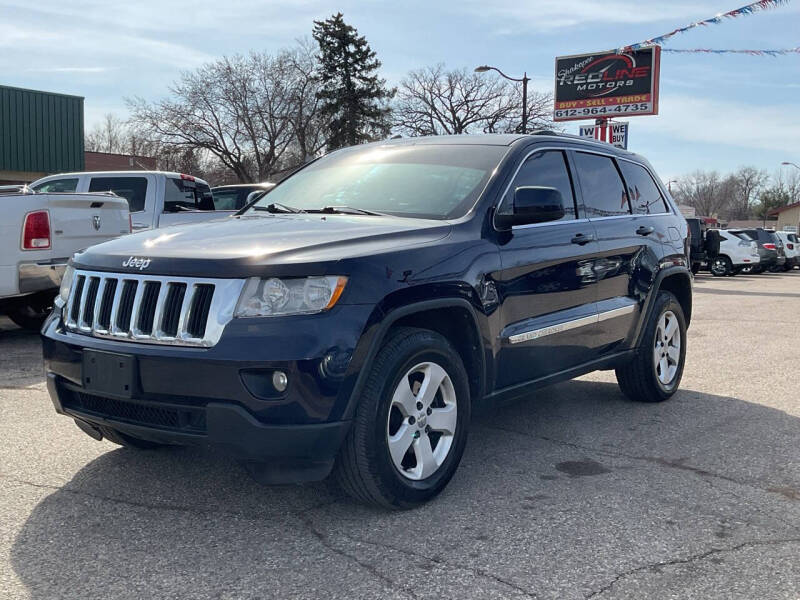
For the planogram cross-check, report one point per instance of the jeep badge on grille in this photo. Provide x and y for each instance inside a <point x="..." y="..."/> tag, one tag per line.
<point x="134" y="262"/>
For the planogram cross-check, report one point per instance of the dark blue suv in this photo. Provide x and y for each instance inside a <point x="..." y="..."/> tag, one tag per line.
<point x="353" y="318"/>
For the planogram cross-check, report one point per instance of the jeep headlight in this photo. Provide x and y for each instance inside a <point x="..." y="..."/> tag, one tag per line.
<point x="66" y="286"/>
<point x="277" y="297"/>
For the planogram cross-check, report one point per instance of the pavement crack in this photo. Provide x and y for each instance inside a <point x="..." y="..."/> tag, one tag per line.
<point x="677" y="463"/>
<point x="687" y="560"/>
<point x="475" y="570"/>
<point x="371" y="569"/>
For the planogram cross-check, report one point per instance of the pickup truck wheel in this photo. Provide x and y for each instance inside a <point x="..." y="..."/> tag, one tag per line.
<point x="410" y="427"/>
<point x="31" y="316"/>
<point x="720" y="266"/>
<point x="128" y="441"/>
<point x="655" y="372"/>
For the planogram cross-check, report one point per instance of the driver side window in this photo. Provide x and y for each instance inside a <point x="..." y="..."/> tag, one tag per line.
<point x="543" y="169"/>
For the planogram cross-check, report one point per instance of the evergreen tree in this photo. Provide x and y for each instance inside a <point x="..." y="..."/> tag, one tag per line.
<point x="354" y="99"/>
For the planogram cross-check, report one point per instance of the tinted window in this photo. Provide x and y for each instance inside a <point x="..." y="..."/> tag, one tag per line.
<point x="185" y="194"/>
<point x="57" y="185"/>
<point x="642" y="190"/>
<point x="133" y="189"/>
<point x="603" y="191"/>
<point x="544" y="169"/>
<point x="425" y="180"/>
<point x="231" y="199"/>
<point x="792" y="238"/>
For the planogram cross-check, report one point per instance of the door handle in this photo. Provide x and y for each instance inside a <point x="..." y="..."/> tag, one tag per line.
<point x="581" y="239"/>
<point x="645" y="230"/>
<point x="136" y="227"/>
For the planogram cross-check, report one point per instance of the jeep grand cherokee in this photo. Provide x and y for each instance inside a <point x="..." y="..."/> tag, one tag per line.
<point x="352" y="319"/>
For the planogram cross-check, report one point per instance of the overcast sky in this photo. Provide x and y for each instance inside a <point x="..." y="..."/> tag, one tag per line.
<point x="716" y="111"/>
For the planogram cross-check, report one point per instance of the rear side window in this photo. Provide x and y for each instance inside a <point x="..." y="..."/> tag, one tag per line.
<point x="544" y="169"/>
<point x="230" y="199"/>
<point x="133" y="189"/>
<point x="57" y="185"/>
<point x="792" y="238"/>
<point x="602" y="187"/>
<point x="184" y="194"/>
<point x="645" y="196"/>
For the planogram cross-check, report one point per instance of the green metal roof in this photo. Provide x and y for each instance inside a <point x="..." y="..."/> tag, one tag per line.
<point x="40" y="131"/>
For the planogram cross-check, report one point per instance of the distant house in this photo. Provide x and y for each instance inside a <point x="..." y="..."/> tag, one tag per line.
<point x="788" y="217"/>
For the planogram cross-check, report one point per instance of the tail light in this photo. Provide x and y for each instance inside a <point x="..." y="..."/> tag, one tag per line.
<point x="770" y="246"/>
<point x="36" y="231"/>
<point x="790" y="246"/>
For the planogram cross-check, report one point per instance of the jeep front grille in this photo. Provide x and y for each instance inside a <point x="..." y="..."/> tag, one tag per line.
<point x="150" y="308"/>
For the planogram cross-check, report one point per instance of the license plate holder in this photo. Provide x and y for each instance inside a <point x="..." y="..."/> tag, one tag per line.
<point x="109" y="373"/>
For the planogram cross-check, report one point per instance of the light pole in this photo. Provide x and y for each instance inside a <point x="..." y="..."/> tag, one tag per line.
<point x="790" y="164"/>
<point x="525" y="79"/>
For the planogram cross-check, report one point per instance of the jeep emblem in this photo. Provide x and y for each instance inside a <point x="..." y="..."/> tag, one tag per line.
<point x="134" y="262"/>
<point x="96" y="222"/>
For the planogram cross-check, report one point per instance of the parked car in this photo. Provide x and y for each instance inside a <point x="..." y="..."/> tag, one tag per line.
<point x="791" y="248"/>
<point x="355" y="315"/>
<point x="156" y="198"/>
<point x="770" y="249"/>
<point x="236" y="196"/>
<point x="697" y="243"/>
<point x="38" y="234"/>
<point x="728" y="253"/>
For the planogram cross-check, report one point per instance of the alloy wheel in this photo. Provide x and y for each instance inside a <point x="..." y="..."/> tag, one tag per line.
<point x="422" y="421"/>
<point x="667" y="348"/>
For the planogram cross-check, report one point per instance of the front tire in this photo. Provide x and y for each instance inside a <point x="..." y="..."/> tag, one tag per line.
<point x="410" y="427"/>
<point x="655" y="372"/>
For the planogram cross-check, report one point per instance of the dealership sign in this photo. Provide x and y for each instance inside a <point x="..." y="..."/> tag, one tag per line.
<point x="613" y="132"/>
<point x="607" y="84"/>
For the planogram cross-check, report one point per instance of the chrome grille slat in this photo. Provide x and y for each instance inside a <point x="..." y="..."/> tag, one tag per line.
<point x="187" y="311"/>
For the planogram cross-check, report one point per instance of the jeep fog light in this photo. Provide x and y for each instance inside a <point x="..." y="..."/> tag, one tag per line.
<point x="280" y="381"/>
<point x="279" y="297"/>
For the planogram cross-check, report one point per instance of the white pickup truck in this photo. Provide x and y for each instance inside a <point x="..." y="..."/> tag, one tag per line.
<point x="156" y="198"/>
<point x="39" y="232"/>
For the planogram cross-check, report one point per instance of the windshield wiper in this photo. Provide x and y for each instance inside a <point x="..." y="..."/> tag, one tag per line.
<point x="347" y="210"/>
<point x="277" y="207"/>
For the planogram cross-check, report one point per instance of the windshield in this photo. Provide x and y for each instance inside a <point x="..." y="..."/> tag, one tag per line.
<point x="428" y="181"/>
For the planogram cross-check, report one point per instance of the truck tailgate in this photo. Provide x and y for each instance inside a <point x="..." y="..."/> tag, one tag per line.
<point x="81" y="220"/>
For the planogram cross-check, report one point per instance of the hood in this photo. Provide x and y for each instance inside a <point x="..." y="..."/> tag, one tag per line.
<point x="250" y="245"/>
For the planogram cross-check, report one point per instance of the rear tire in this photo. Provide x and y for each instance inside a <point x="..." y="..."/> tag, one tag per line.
<point x="655" y="372"/>
<point x="32" y="314"/>
<point x="407" y="436"/>
<point x="720" y="266"/>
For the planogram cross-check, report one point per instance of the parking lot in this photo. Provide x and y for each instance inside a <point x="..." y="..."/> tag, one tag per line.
<point x="575" y="493"/>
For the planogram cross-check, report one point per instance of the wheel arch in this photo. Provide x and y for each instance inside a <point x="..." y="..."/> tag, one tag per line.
<point x="678" y="281"/>
<point x="454" y="318"/>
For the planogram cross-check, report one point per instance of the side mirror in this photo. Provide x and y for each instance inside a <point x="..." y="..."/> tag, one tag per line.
<point x="533" y="204"/>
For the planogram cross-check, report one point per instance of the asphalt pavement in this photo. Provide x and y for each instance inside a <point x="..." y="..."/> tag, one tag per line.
<point x="573" y="493"/>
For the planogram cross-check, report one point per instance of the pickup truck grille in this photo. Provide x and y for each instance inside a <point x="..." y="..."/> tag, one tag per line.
<point x="150" y="309"/>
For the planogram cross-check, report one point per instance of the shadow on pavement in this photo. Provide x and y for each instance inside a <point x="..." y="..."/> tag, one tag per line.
<point x="557" y="493"/>
<point x="21" y="356"/>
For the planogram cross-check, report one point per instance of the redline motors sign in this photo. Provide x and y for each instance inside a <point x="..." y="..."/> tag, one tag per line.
<point x="607" y="84"/>
<point x="613" y="132"/>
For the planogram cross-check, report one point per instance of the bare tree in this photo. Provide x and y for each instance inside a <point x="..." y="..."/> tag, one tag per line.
<point x="435" y="101"/>
<point x="110" y="135"/>
<point x="704" y="191"/>
<point x="243" y="110"/>
<point x="747" y="183"/>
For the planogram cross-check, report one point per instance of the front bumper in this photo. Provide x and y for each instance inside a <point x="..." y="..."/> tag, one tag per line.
<point x="223" y="396"/>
